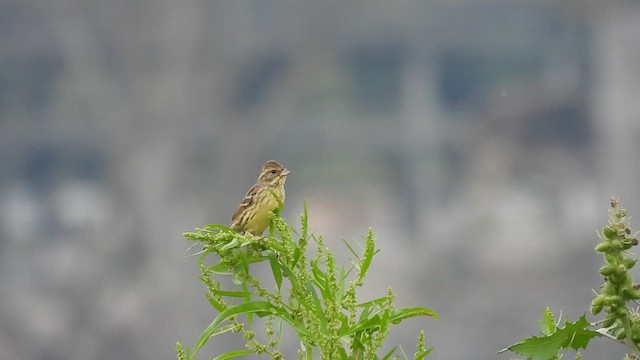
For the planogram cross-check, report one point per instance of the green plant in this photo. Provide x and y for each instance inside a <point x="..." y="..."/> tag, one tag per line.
<point x="621" y="323"/>
<point x="312" y="295"/>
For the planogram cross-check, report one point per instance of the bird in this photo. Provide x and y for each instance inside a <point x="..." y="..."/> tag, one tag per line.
<point x="266" y="195"/>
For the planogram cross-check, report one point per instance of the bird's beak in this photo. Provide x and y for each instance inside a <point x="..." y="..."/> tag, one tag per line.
<point x="286" y="172"/>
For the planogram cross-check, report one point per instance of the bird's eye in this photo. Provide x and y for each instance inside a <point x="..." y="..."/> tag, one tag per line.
<point x="273" y="171"/>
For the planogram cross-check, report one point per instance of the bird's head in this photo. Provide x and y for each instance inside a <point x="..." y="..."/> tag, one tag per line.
<point x="273" y="174"/>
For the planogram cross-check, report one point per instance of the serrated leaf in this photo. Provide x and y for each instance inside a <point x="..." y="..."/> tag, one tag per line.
<point x="574" y="335"/>
<point x="541" y="348"/>
<point x="579" y="335"/>
<point x="548" y="325"/>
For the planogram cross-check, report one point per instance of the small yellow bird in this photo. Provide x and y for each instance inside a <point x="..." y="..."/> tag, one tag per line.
<point x="252" y="215"/>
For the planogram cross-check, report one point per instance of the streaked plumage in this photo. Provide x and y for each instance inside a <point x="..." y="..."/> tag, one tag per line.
<point x="266" y="195"/>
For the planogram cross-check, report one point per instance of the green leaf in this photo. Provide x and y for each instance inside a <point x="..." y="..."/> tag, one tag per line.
<point x="231" y="244"/>
<point x="238" y="294"/>
<point x="572" y="335"/>
<point x="357" y="344"/>
<point x="244" y="308"/>
<point x="275" y="269"/>
<point x="548" y="325"/>
<point x="398" y="315"/>
<point x="364" y="314"/>
<point x="355" y="254"/>
<point x="317" y="306"/>
<point x="210" y="227"/>
<point x="261" y="308"/>
<point x="233" y="354"/>
<point x="204" y="253"/>
<point x="276" y="246"/>
<point x="375" y="302"/>
<point x="215" y="303"/>
<point x="382" y="317"/>
<point x="362" y="325"/>
<point x="390" y="353"/>
<point x="223" y="330"/>
<point x="423" y="354"/>
<point x="320" y="279"/>
<point x="579" y="335"/>
<point x="296" y="325"/>
<point x="219" y="268"/>
<point x="289" y="274"/>
<point x="296" y="256"/>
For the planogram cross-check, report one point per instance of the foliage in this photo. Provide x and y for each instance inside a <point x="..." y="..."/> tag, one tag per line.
<point x="621" y="323"/>
<point x="311" y="295"/>
<point x="574" y="335"/>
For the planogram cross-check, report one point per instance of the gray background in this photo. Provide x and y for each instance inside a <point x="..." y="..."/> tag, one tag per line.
<point x="481" y="140"/>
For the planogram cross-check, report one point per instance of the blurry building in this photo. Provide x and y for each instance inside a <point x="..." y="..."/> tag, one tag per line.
<point x="123" y="123"/>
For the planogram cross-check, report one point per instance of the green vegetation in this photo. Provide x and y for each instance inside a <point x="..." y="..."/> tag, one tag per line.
<point x="621" y="323"/>
<point x="307" y="294"/>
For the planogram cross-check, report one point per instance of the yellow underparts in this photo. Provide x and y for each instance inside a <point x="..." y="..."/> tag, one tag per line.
<point x="259" y="222"/>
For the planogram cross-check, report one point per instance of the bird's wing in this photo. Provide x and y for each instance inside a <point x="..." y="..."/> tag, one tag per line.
<point x="246" y="202"/>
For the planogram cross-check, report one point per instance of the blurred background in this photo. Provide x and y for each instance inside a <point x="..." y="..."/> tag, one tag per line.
<point x="482" y="140"/>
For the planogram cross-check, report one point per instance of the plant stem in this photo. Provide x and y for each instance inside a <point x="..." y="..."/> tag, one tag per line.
<point x="631" y="347"/>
